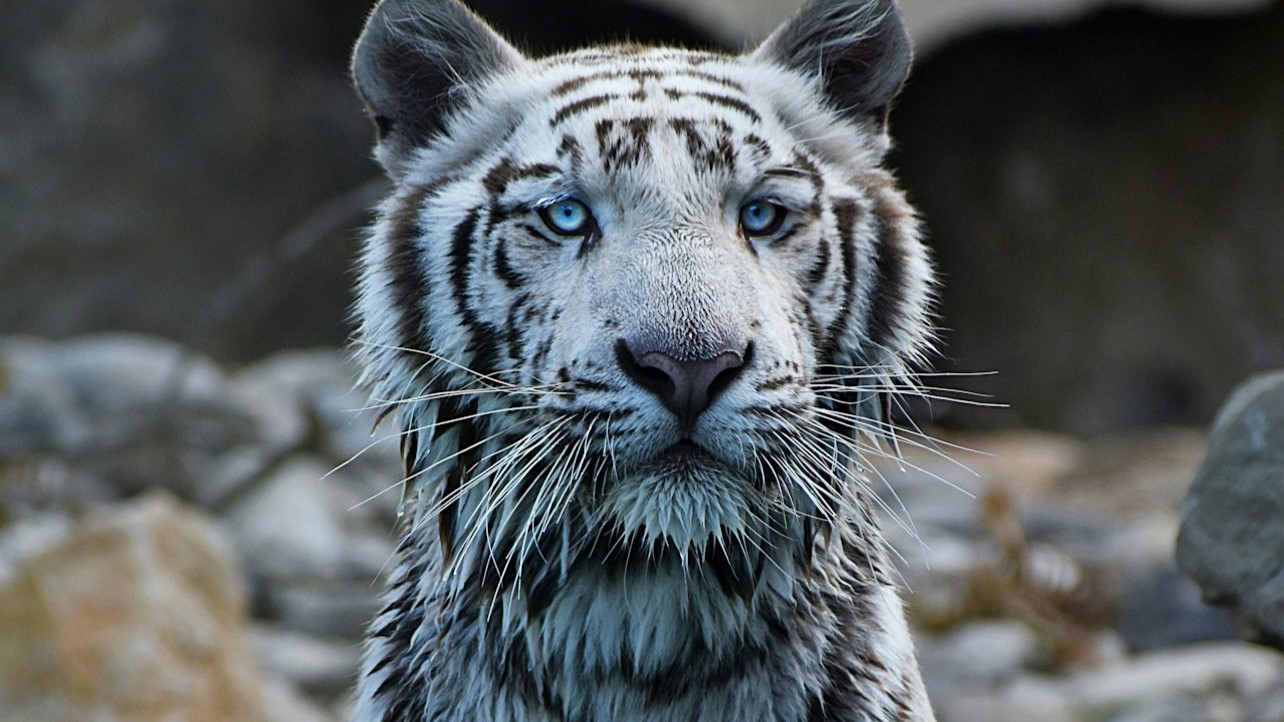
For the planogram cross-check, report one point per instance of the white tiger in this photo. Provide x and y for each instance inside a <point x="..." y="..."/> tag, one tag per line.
<point x="635" y="310"/>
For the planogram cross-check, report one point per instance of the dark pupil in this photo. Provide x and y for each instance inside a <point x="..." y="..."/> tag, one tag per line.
<point x="759" y="215"/>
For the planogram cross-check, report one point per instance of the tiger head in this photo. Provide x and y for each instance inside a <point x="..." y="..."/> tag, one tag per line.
<point x="633" y="303"/>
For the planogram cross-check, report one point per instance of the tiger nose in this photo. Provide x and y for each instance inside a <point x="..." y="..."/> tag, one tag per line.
<point x="685" y="386"/>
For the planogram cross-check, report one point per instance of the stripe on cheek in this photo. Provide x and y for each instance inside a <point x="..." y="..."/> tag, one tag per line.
<point x="846" y="213"/>
<point x="889" y="290"/>
<point x="481" y="340"/>
<point x="408" y="280"/>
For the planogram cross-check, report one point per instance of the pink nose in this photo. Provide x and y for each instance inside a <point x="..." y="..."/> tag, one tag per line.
<point x="685" y="386"/>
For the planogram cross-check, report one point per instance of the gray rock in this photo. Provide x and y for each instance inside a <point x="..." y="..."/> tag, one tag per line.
<point x="290" y="527"/>
<point x="332" y="609"/>
<point x="284" y="703"/>
<point x="97" y="392"/>
<point x="1024" y="699"/>
<point x="1231" y="540"/>
<point x="1216" y="707"/>
<point x="1268" y="706"/>
<point x="1194" y="671"/>
<point x="983" y="653"/>
<point x="1162" y="608"/>
<point x="38" y="406"/>
<point x="319" y="667"/>
<point x="137" y="412"/>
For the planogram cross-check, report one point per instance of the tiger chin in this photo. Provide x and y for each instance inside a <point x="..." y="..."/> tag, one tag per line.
<point x="636" y="313"/>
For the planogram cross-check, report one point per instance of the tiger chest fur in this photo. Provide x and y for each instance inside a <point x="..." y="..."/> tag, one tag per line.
<point x="634" y="311"/>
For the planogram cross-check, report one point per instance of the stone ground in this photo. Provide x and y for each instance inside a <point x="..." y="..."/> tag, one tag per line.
<point x="184" y="541"/>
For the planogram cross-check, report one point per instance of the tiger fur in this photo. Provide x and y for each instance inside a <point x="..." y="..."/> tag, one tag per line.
<point x="635" y="312"/>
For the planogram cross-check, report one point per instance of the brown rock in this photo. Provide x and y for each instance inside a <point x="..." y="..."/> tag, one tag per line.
<point x="134" y="613"/>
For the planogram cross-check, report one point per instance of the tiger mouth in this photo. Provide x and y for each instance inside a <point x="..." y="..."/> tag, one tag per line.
<point x="685" y="450"/>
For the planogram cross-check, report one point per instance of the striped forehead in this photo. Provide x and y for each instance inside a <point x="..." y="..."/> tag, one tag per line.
<point x="618" y="104"/>
<point x="654" y="81"/>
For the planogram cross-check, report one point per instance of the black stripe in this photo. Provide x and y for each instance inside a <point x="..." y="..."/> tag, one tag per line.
<point x="570" y="149"/>
<point x="512" y="278"/>
<point x="725" y="101"/>
<point x="712" y="78"/>
<point x="761" y="148"/>
<point x="514" y="334"/>
<point x="507" y="171"/>
<point x="640" y="75"/>
<point x="481" y="341"/>
<point x="720" y="153"/>
<point x="460" y="245"/>
<point x="408" y="282"/>
<point x="889" y="289"/>
<point x="580" y="106"/>
<point x="816" y="274"/>
<point x="623" y="143"/>
<point x="846" y="213"/>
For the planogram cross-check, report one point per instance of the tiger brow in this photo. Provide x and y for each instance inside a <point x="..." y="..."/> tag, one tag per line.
<point x="786" y="171"/>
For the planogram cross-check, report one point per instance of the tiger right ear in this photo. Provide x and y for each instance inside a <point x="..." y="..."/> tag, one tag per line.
<point x="857" y="49"/>
<point x="415" y="63"/>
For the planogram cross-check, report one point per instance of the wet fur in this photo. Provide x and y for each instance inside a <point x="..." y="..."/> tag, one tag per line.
<point x="559" y="562"/>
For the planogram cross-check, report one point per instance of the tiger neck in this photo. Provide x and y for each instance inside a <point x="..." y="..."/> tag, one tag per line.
<point x="661" y="642"/>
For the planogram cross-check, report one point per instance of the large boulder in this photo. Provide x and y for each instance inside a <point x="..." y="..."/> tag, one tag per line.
<point x="1232" y="534"/>
<point x="133" y="614"/>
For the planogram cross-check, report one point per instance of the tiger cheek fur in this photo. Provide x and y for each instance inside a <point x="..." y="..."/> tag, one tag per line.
<point x="633" y="311"/>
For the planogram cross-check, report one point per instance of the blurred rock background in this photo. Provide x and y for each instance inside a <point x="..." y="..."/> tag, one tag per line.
<point x="1102" y="182"/>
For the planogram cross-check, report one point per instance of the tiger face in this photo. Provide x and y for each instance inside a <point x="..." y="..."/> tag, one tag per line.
<point x="630" y="301"/>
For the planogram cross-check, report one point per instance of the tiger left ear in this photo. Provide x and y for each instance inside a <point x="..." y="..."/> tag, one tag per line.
<point x="857" y="49"/>
<point x="416" y="63"/>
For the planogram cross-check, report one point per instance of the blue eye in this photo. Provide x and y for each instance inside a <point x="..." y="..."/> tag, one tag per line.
<point x="761" y="218"/>
<point x="567" y="217"/>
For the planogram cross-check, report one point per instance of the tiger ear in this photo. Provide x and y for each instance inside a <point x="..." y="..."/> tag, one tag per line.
<point x="415" y="63"/>
<point x="857" y="49"/>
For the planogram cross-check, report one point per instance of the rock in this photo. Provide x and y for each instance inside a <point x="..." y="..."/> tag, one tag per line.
<point x="1026" y="698"/>
<point x="1268" y="706"/>
<point x="334" y="609"/>
<point x="323" y="383"/>
<point x="134" y="613"/>
<point x="37" y="402"/>
<point x="320" y="667"/>
<point x="290" y="527"/>
<point x="284" y="703"/>
<point x="1231" y="540"/>
<point x="1192" y="671"/>
<point x="1161" y="608"/>
<point x="982" y="653"/>
<point x="136" y="412"/>
<point x="1213" y="708"/>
